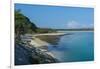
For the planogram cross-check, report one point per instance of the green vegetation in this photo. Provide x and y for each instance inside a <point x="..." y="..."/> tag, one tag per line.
<point x="45" y="30"/>
<point x="23" y="24"/>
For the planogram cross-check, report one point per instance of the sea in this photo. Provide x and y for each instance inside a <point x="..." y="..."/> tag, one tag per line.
<point x="75" y="47"/>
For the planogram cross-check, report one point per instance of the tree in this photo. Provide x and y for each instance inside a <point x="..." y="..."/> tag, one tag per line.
<point x="23" y="24"/>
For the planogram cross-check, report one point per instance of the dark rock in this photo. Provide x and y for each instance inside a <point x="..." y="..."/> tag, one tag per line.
<point x="25" y="55"/>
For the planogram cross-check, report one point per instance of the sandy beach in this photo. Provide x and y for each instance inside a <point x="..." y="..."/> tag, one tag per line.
<point x="38" y="42"/>
<point x="50" y="34"/>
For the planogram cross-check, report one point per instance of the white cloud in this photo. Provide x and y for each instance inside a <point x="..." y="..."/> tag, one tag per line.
<point x="76" y="24"/>
<point x="92" y="25"/>
<point x="73" y="24"/>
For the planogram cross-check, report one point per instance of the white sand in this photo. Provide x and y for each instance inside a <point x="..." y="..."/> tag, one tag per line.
<point x="49" y="34"/>
<point x="38" y="43"/>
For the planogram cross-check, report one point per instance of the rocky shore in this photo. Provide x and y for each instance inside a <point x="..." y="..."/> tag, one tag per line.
<point x="26" y="54"/>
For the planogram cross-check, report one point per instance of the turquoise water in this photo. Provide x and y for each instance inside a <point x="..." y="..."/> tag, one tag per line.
<point x="79" y="46"/>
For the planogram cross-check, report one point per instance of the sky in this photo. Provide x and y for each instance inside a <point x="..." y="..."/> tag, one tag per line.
<point x="58" y="17"/>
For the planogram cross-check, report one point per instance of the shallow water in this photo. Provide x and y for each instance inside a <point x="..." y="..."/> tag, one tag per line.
<point x="78" y="46"/>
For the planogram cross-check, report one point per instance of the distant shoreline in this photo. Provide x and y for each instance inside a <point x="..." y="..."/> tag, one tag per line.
<point x="76" y="31"/>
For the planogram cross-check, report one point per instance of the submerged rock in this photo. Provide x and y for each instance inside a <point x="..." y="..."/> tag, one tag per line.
<point x="25" y="54"/>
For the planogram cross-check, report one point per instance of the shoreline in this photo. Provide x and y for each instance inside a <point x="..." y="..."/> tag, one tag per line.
<point x="38" y="43"/>
<point x="75" y="31"/>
